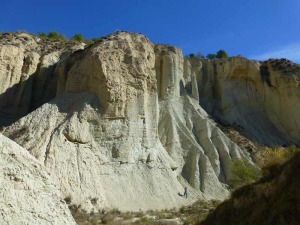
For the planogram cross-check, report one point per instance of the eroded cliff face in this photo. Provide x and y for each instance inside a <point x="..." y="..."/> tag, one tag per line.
<point x="28" y="195"/>
<point x="27" y="65"/>
<point x="261" y="98"/>
<point x="126" y="129"/>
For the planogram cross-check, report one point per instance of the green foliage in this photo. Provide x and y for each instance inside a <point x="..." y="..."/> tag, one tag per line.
<point x="53" y="35"/>
<point x="199" y="55"/>
<point x="192" y="55"/>
<point x="42" y="34"/>
<point x="221" y="54"/>
<point x="271" y="200"/>
<point x="211" y="56"/>
<point x="77" y="37"/>
<point x="56" y="36"/>
<point x="243" y="173"/>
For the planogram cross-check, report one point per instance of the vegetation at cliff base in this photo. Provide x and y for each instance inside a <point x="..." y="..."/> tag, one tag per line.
<point x="274" y="199"/>
<point x="269" y="159"/>
<point x="185" y="215"/>
<point x="243" y="173"/>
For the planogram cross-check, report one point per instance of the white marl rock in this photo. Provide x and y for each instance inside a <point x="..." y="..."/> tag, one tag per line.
<point x="27" y="193"/>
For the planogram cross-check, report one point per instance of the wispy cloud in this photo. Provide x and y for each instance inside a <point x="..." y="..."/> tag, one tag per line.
<point x="291" y="52"/>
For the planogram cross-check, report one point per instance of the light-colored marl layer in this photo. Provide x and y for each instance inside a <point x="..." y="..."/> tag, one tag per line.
<point x="138" y="140"/>
<point x="27" y="193"/>
<point x="263" y="98"/>
<point x="27" y="65"/>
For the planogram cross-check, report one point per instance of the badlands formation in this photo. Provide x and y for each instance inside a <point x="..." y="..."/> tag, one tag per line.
<point x="28" y="195"/>
<point x="261" y="98"/>
<point x="123" y="123"/>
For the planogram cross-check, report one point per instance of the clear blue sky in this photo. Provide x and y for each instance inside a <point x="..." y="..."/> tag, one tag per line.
<point x="253" y="28"/>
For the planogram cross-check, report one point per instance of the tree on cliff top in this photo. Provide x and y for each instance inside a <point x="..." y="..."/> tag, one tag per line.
<point x="211" y="56"/>
<point x="221" y="54"/>
<point x="199" y="55"/>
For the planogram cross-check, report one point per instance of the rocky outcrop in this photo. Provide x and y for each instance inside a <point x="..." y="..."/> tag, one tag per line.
<point x="262" y="98"/>
<point x="274" y="199"/>
<point x="126" y="130"/>
<point x="27" y="65"/>
<point x="27" y="193"/>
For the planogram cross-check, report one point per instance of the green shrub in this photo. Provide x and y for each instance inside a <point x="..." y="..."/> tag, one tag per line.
<point x="42" y="35"/>
<point x="55" y="36"/>
<point x="77" y="37"/>
<point x="243" y="173"/>
<point x="221" y="54"/>
<point x="199" y="55"/>
<point x="211" y="56"/>
<point x="192" y="55"/>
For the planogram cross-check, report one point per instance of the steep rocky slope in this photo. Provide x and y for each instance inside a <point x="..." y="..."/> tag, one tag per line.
<point x="126" y="129"/>
<point x="27" y="193"/>
<point x="275" y="199"/>
<point x="27" y="65"/>
<point x="261" y="98"/>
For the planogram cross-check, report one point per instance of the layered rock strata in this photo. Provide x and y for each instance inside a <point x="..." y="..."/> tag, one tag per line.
<point x="126" y="130"/>
<point x="261" y="98"/>
<point x="27" y="65"/>
<point x="27" y="193"/>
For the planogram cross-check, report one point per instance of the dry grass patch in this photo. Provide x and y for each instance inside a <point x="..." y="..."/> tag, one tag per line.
<point x="274" y="199"/>
<point x="270" y="158"/>
<point x="185" y="215"/>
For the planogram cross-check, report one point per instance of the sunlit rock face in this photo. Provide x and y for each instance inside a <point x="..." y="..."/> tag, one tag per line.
<point x="27" y="65"/>
<point x="28" y="195"/>
<point x="261" y="98"/>
<point x="126" y="129"/>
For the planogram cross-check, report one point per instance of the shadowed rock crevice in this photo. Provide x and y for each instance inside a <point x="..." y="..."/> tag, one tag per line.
<point x="265" y="74"/>
<point x="27" y="73"/>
